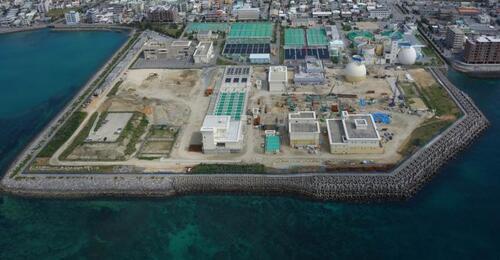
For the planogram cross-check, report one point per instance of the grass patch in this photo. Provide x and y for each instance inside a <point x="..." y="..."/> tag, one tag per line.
<point x="436" y="98"/>
<point x="63" y="134"/>
<point x="133" y="131"/>
<point x="409" y="90"/>
<point x="100" y="121"/>
<point x="423" y="134"/>
<point x="58" y="13"/>
<point x="228" y="168"/>
<point x="224" y="62"/>
<point x="113" y="91"/>
<point x="172" y="30"/>
<point x="80" y="137"/>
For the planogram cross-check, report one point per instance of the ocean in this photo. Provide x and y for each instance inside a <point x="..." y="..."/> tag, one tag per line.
<point x="456" y="216"/>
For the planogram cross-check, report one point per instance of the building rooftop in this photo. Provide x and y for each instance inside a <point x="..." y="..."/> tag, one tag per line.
<point x="352" y="127"/>
<point x="202" y="49"/>
<point x="224" y="129"/>
<point x="278" y="73"/>
<point x="303" y="121"/>
<point x="302" y="115"/>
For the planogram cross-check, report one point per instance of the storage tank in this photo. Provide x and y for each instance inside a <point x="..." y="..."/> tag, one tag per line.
<point x="355" y="71"/>
<point x="407" y="55"/>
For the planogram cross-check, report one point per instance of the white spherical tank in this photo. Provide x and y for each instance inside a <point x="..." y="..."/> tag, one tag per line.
<point x="407" y="56"/>
<point x="355" y="71"/>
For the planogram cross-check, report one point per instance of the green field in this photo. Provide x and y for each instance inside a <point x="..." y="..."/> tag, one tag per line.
<point x="80" y="137"/>
<point x="423" y="134"/>
<point x="63" y="134"/>
<point x="436" y="98"/>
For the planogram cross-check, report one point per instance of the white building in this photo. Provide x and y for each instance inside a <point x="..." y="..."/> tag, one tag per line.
<point x="72" y="17"/>
<point x="248" y="13"/>
<point x="223" y="130"/>
<point x="356" y="133"/>
<point x="278" y="79"/>
<point x="259" y="58"/>
<point x="379" y="13"/>
<point x="220" y="134"/>
<point x="204" y="52"/>
<point x="303" y="129"/>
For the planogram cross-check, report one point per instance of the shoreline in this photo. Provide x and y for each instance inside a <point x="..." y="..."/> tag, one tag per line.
<point x="402" y="182"/>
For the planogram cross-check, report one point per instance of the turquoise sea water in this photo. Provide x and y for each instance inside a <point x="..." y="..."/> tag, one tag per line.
<point x="456" y="216"/>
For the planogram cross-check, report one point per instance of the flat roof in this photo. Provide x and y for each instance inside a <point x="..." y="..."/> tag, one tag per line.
<point x="272" y="143"/>
<point x="304" y="126"/>
<point x="302" y="115"/>
<point x="344" y="129"/>
<point x="224" y="129"/>
<point x="180" y="43"/>
<point x="202" y="48"/>
<point x="260" y="56"/>
<point x="335" y="130"/>
<point x="251" y="30"/>
<point x="352" y="132"/>
<point x="278" y="73"/>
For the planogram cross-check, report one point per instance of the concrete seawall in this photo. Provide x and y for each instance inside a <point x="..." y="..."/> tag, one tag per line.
<point x="401" y="183"/>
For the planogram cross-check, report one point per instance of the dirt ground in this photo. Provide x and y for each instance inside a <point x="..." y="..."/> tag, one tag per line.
<point x="176" y="97"/>
<point x="422" y="77"/>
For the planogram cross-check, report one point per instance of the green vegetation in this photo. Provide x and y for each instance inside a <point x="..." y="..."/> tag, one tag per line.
<point x="224" y="62"/>
<point x="63" y="134"/>
<point x="100" y="121"/>
<point x="423" y="134"/>
<point x="436" y="98"/>
<point x="228" y="168"/>
<point x="409" y="89"/>
<point x="113" y="91"/>
<point x="80" y="138"/>
<point x="58" y="13"/>
<point x="346" y="27"/>
<point x="172" y="30"/>
<point x="133" y="131"/>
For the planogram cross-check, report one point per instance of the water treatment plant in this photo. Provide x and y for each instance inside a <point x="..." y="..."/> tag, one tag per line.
<point x="325" y="112"/>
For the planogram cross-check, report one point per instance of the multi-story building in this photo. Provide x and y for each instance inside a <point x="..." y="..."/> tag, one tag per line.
<point x="303" y="129"/>
<point x="72" y="17"/>
<point x="455" y="39"/>
<point x="353" y="133"/>
<point x="380" y="13"/>
<point x="483" y="50"/>
<point x="162" y="13"/>
<point x="204" y="52"/>
<point x="278" y="79"/>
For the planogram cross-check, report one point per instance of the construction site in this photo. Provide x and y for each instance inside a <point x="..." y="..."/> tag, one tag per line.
<point x="172" y="120"/>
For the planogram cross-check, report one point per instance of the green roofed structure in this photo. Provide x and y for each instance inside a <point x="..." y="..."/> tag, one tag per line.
<point x="259" y="32"/>
<point x="272" y="144"/>
<point x="294" y="38"/>
<point x="214" y="27"/>
<point x="230" y="104"/>
<point x="317" y="37"/>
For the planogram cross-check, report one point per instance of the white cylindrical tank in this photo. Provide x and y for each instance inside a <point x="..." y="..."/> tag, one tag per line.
<point x="355" y="71"/>
<point x="407" y="55"/>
